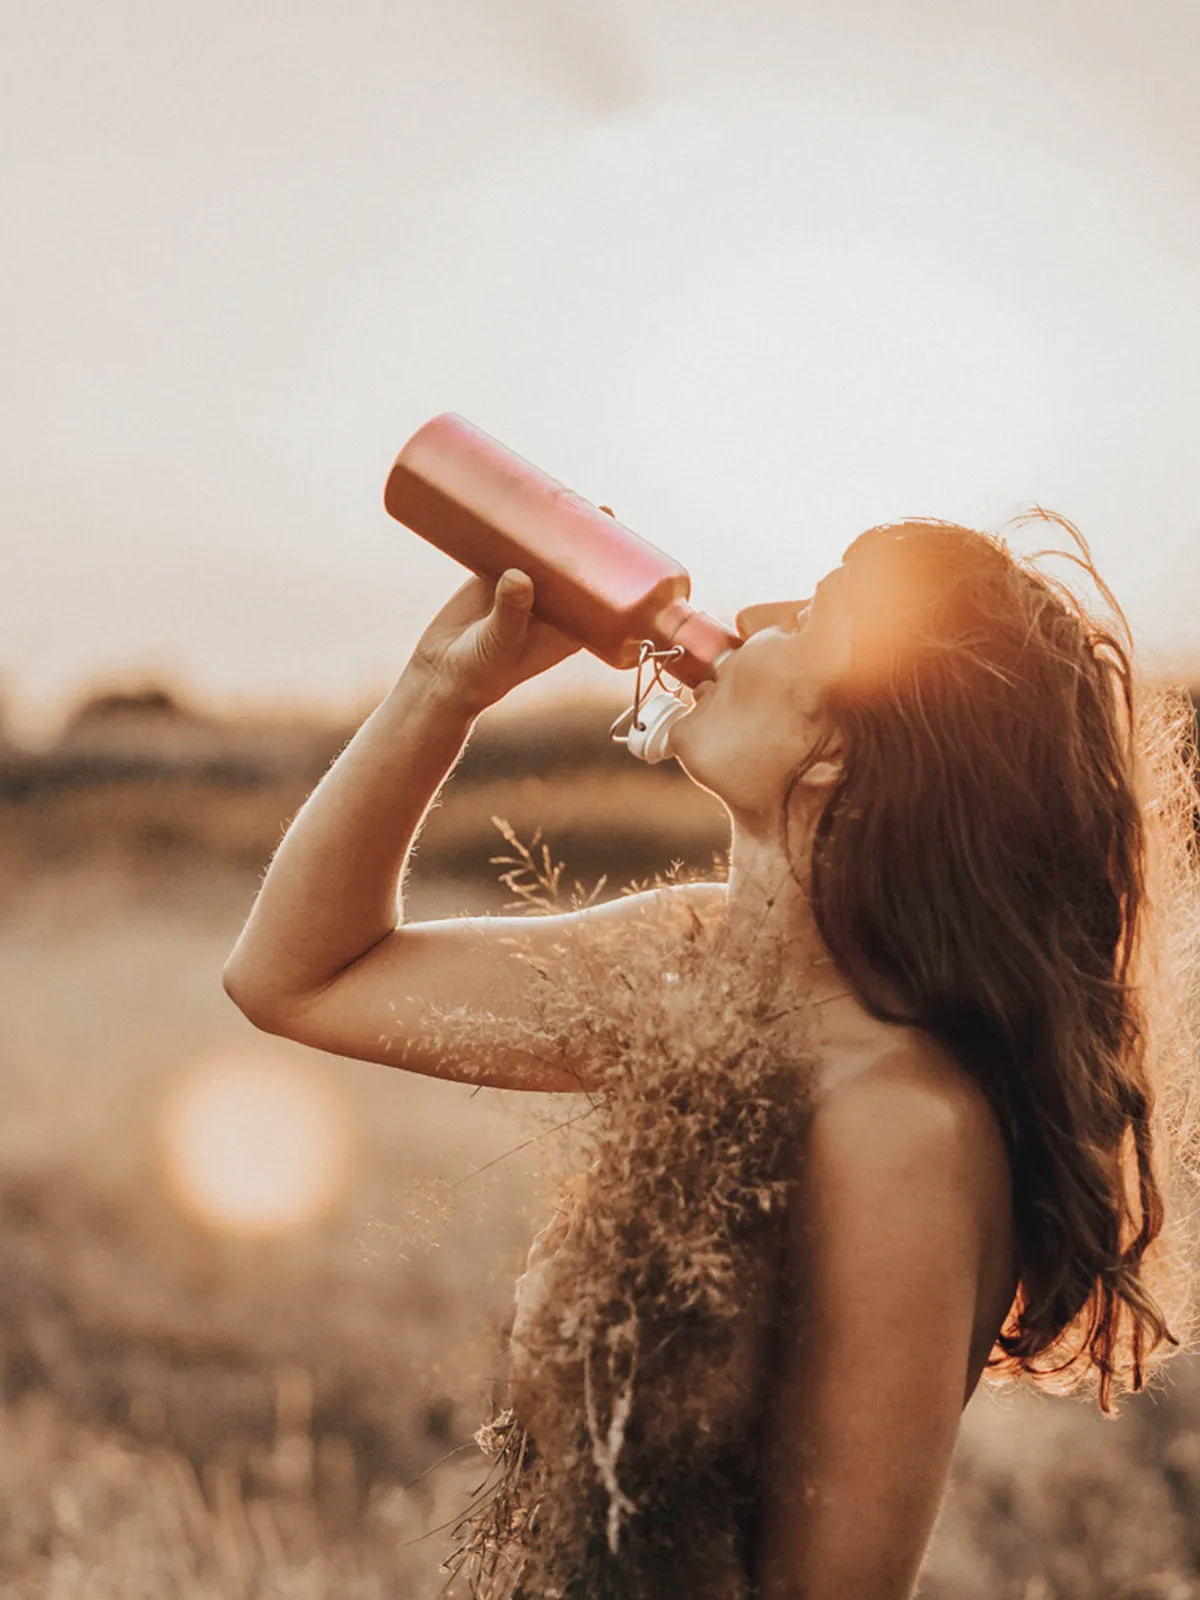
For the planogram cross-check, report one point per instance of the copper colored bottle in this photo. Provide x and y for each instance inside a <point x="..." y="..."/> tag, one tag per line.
<point x="593" y="578"/>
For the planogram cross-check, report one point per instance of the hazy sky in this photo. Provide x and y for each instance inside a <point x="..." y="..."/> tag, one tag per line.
<point x="756" y="274"/>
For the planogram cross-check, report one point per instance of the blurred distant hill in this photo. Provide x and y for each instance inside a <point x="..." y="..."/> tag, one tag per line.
<point x="142" y="775"/>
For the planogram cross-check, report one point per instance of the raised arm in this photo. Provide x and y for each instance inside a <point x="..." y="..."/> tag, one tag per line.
<point x="325" y="956"/>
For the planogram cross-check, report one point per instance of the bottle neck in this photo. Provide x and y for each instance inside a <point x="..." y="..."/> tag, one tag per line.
<point x="705" y="641"/>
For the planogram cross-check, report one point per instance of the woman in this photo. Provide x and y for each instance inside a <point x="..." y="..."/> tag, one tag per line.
<point x="941" y="835"/>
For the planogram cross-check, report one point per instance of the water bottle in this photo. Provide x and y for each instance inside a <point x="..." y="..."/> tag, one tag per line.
<point x="593" y="578"/>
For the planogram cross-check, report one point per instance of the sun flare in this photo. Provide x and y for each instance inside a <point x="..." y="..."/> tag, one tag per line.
<point x="254" y="1145"/>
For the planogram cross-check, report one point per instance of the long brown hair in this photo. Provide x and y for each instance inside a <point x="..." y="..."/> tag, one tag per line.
<point x="1007" y="860"/>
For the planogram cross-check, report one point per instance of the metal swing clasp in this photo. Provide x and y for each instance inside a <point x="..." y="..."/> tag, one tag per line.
<point x="655" y="707"/>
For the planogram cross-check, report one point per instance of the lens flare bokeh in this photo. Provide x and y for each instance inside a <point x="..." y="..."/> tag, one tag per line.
<point x="252" y="1144"/>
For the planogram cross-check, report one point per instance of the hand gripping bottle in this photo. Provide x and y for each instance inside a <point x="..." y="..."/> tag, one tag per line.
<point x="593" y="578"/>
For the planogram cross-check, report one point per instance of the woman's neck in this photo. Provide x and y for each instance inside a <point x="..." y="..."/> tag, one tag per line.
<point x="769" y="923"/>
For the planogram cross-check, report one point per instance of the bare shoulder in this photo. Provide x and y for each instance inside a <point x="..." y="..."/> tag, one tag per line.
<point x="910" y="1120"/>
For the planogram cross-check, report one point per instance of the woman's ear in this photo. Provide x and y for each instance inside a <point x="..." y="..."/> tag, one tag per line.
<point x="828" y="768"/>
<point x="823" y="773"/>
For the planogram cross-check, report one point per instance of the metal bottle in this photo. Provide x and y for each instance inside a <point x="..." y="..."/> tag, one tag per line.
<point x="593" y="578"/>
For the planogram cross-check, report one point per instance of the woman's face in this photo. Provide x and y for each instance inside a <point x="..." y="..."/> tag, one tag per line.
<point x="753" y="725"/>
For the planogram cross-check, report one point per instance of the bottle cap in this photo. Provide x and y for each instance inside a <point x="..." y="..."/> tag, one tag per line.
<point x="651" y="741"/>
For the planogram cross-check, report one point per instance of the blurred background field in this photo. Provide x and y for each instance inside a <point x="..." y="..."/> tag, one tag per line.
<point x="218" y="1389"/>
<point x="757" y="273"/>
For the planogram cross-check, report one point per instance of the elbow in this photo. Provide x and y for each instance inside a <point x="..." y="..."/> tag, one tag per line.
<point x="252" y="999"/>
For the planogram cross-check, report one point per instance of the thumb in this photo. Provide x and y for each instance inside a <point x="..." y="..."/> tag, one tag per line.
<point x="509" y="619"/>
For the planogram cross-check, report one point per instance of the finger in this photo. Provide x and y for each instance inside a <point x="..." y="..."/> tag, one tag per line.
<point x="509" y="619"/>
<point x="516" y="587"/>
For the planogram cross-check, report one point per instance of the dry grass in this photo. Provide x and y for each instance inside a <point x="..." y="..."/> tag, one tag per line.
<point x="641" y="1333"/>
<point x="92" y="1516"/>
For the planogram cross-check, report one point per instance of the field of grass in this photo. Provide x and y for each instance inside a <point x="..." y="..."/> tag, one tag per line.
<point x="191" y="1413"/>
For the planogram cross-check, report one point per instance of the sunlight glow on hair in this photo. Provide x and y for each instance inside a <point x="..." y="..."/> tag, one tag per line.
<point x="254" y="1144"/>
<point x="884" y="596"/>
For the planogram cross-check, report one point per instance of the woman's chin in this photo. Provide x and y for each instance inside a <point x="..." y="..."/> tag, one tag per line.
<point x="681" y="734"/>
<point x="688" y="750"/>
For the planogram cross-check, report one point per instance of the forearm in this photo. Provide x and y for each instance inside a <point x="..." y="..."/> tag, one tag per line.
<point x="332" y="889"/>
